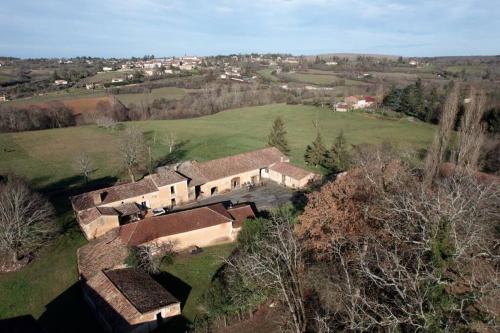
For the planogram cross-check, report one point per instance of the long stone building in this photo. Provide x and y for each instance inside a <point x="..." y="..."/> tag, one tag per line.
<point x="105" y="209"/>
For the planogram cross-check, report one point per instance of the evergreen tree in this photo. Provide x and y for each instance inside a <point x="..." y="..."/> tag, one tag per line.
<point x="277" y="136"/>
<point x="316" y="153"/>
<point x="338" y="158"/>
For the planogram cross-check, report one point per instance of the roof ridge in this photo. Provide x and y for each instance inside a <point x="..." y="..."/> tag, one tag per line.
<point x="213" y="210"/>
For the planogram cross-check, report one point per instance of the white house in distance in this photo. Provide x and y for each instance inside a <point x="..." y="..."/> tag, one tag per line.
<point x="117" y="79"/>
<point x="3" y="98"/>
<point x="107" y="69"/>
<point x="60" y="82"/>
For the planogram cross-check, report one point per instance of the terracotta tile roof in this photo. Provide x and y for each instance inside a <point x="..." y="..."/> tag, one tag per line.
<point x="240" y="213"/>
<point x="155" y="227"/>
<point x="110" y="303"/>
<point x="107" y="211"/>
<point x="166" y="177"/>
<point x="102" y="253"/>
<point x="89" y="215"/>
<point x="228" y="166"/>
<point x="191" y="170"/>
<point x="290" y="170"/>
<point x="113" y="194"/>
<point x="140" y="289"/>
<point x="127" y="209"/>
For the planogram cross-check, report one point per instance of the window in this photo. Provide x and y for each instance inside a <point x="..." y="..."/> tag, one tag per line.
<point x="172" y="202"/>
<point x="172" y="189"/>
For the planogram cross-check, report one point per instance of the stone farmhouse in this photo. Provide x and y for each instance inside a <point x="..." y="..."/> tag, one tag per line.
<point x="128" y="300"/>
<point x="105" y="209"/>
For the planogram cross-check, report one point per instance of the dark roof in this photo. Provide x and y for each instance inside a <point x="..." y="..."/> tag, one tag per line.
<point x="203" y="172"/>
<point x="140" y="289"/>
<point x="114" y="194"/>
<point x="127" y="209"/>
<point x="171" y="224"/>
<point x="166" y="177"/>
<point x="290" y="170"/>
<point x="240" y="213"/>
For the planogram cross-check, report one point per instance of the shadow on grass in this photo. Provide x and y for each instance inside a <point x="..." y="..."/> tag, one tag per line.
<point x="177" y="155"/>
<point x="178" y="288"/>
<point x="68" y="312"/>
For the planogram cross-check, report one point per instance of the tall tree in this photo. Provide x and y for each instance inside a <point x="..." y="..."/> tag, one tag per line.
<point x="316" y="152"/>
<point x="338" y="158"/>
<point x="277" y="137"/>
<point x="26" y="219"/>
<point x="132" y="150"/>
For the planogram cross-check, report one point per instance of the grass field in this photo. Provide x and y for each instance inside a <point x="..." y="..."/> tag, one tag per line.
<point x="46" y="156"/>
<point x="47" y="287"/>
<point x="165" y="92"/>
<point x="267" y="73"/>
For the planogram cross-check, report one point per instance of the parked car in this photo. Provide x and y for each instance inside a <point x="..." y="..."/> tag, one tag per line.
<point x="158" y="211"/>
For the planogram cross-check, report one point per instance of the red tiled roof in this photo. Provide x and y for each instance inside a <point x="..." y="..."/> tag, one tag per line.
<point x="290" y="170"/>
<point x="89" y="215"/>
<point x="155" y="227"/>
<point x="232" y="165"/>
<point x="166" y="177"/>
<point x="114" y="194"/>
<point x="240" y="213"/>
<point x="369" y="99"/>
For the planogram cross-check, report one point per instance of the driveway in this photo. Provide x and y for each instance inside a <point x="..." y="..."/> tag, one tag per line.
<point x="265" y="197"/>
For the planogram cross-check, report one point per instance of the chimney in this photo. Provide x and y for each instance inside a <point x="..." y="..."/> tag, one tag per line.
<point x="97" y="197"/>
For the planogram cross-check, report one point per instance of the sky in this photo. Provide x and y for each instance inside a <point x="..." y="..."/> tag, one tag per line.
<point x="125" y="28"/>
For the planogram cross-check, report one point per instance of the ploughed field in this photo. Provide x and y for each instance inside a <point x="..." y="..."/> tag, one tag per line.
<point x="47" y="288"/>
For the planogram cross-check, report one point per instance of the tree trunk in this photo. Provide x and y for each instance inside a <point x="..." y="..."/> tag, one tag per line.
<point x="131" y="174"/>
<point x="14" y="257"/>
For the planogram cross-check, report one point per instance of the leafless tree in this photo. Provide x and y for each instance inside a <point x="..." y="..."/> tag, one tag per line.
<point x="276" y="264"/>
<point x="440" y="144"/>
<point x="83" y="164"/>
<point x="171" y="141"/>
<point x="132" y="150"/>
<point x="26" y="219"/>
<point x="471" y="134"/>
<point x="150" y="257"/>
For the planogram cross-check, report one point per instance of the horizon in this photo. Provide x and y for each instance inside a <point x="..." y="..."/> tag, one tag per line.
<point x="114" y="29"/>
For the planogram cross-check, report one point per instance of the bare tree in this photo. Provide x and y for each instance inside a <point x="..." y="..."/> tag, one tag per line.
<point x="440" y="144"/>
<point x="83" y="164"/>
<point x="26" y="219"/>
<point x="471" y="134"/>
<point x="132" y="150"/>
<point x="150" y="257"/>
<point x="171" y="141"/>
<point x="276" y="264"/>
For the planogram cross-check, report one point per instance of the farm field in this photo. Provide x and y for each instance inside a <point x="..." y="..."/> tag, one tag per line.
<point x="323" y="78"/>
<point x="169" y="93"/>
<point x="46" y="158"/>
<point x="61" y="95"/>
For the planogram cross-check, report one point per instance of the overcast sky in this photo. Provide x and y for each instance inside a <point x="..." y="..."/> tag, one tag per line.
<point x="124" y="28"/>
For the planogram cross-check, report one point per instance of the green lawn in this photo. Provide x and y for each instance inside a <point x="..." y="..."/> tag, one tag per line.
<point x="45" y="157"/>
<point x="267" y="73"/>
<point x="197" y="271"/>
<point x="166" y="92"/>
